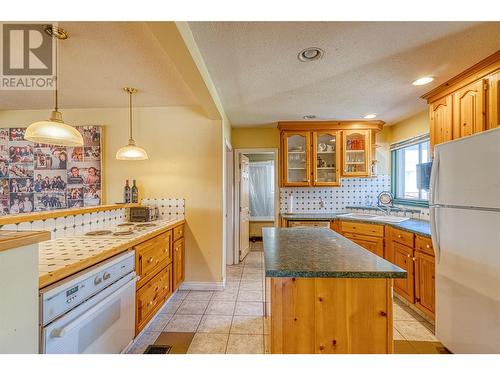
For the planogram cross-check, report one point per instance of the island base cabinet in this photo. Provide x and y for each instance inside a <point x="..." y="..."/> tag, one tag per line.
<point x="323" y="315"/>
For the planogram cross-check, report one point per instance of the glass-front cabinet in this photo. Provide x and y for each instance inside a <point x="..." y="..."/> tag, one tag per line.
<point x="326" y="158"/>
<point x="356" y="155"/>
<point x="296" y="157"/>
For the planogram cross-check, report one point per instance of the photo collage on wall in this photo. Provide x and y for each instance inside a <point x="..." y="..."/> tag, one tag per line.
<point x="39" y="177"/>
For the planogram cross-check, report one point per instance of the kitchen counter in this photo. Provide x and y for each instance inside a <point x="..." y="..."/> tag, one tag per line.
<point x="420" y="227"/>
<point x="321" y="253"/>
<point x="65" y="256"/>
<point x="10" y="239"/>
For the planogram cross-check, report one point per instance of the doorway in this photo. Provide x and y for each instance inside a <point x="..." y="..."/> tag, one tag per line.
<point x="256" y="198"/>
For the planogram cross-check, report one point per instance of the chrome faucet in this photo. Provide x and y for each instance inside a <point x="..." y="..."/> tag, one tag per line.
<point x="321" y="203"/>
<point x="386" y="209"/>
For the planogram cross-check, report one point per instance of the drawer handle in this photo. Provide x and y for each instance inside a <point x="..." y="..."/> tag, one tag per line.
<point x="414" y="259"/>
<point x="408" y="255"/>
<point x="165" y="287"/>
<point x="165" y="250"/>
<point x="428" y="246"/>
<point x="150" y="260"/>
<point x="400" y="236"/>
<point x="150" y="303"/>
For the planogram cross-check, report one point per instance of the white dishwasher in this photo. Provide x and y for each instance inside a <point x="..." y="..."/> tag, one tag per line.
<point x="92" y="311"/>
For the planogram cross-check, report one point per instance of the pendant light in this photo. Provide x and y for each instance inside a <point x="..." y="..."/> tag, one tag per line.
<point x="131" y="151"/>
<point x="54" y="131"/>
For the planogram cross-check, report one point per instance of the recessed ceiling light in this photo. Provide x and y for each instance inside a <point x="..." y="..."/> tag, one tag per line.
<point x="310" y="54"/>
<point x="309" y="117"/>
<point x="370" y="115"/>
<point x="422" y="81"/>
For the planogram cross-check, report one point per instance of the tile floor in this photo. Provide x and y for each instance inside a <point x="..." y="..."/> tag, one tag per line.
<point x="231" y="321"/>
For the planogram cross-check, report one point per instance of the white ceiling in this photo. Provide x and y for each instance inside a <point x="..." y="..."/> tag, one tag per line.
<point x="98" y="60"/>
<point x="367" y="67"/>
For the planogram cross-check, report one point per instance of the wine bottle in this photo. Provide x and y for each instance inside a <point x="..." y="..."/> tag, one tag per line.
<point x="135" y="193"/>
<point x="126" y="196"/>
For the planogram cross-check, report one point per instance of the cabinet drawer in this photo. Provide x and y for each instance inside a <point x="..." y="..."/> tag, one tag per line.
<point x="151" y="255"/>
<point x="424" y="244"/>
<point x="153" y="294"/>
<point x="178" y="232"/>
<point x="403" y="237"/>
<point x="362" y="228"/>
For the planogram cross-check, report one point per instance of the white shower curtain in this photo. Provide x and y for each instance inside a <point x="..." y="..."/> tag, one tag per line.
<point x="262" y="190"/>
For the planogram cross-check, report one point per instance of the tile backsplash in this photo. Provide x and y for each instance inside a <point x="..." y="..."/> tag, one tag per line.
<point x="77" y="225"/>
<point x="352" y="192"/>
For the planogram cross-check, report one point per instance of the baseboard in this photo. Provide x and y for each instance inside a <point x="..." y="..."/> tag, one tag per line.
<point x="202" y="285"/>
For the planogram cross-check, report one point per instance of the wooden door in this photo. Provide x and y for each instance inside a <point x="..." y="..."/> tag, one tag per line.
<point x="296" y="158"/>
<point x="356" y="153"/>
<point x="468" y="110"/>
<point x="244" y="207"/>
<point x="178" y="265"/>
<point x="440" y="122"/>
<point x="493" y="111"/>
<point x="403" y="257"/>
<point x="425" y="292"/>
<point x="326" y="158"/>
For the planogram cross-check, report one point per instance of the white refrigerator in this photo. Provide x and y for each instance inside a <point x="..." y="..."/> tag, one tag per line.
<point x="465" y="224"/>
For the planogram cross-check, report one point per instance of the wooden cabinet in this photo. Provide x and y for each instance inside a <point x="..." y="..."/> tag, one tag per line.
<point x="369" y="236"/>
<point x="440" y="121"/>
<point x="179" y="263"/>
<point x="493" y="102"/>
<point x="356" y="153"/>
<point x="466" y="104"/>
<point x="326" y="158"/>
<point x="373" y="244"/>
<point x="468" y="109"/>
<point x="296" y="156"/>
<point x="403" y="257"/>
<point x="425" y="293"/>
<point x="319" y="153"/>
<point x="159" y="263"/>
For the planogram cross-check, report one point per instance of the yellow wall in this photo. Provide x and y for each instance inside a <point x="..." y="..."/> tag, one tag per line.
<point x="255" y="137"/>
<point x="411" y="127"/>
<point x="185" y="151"/>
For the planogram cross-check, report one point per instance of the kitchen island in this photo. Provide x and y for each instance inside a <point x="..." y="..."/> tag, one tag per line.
<point x="326" y="294"/>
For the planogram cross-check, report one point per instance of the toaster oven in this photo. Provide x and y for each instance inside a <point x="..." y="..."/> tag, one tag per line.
<point x="143" y="213"/>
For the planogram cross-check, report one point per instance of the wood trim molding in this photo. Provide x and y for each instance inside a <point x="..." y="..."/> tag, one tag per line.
<point x="330" y="125"/>
<point x="475" y="72"/>
<point x="12" y="239"/>
<point x="22" y="218"/>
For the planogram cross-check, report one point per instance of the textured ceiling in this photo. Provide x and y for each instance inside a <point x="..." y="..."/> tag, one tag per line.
<point x="367" y="67"/>
<point x="98" y="60"/>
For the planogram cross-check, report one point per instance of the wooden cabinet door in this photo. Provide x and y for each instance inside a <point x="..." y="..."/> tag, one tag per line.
<point x="493" y="110"/>
<point x="373" y="244"/>
<point x="440" y="121"/>
<point x="326" y="158"/>
<point x="425" y="292"/>
<point x="468" y="110"/>
<point x="296" y="156"/>
<point x="403" y="257"/>
<point x="178" y="265"/>
<point x="356" y="153"/>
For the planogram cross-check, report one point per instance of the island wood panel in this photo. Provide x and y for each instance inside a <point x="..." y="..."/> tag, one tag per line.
<point x="323" y="315"/>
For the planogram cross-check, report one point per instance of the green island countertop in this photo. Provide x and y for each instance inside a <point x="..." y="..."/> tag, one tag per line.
<point x="321" y="253"/>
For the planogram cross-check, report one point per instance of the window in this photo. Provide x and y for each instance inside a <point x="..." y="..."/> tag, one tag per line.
<point x="405" y="157"/>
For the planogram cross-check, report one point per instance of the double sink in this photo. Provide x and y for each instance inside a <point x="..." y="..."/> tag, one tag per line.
<point x="371" y="217"/>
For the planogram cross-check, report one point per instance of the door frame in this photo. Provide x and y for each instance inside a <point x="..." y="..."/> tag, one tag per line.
<point x="236" y="190"/>
<point x="229" y="214"/>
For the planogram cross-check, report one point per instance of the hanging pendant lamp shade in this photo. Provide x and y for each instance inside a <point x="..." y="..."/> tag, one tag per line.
<point x="54" y="131"/>
<point x="131" y="151"/>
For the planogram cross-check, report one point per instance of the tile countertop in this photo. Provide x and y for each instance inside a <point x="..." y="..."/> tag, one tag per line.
<point x="63" y="257"/>
<point x="321" y="253"/>
<point x="420" y="227"/>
